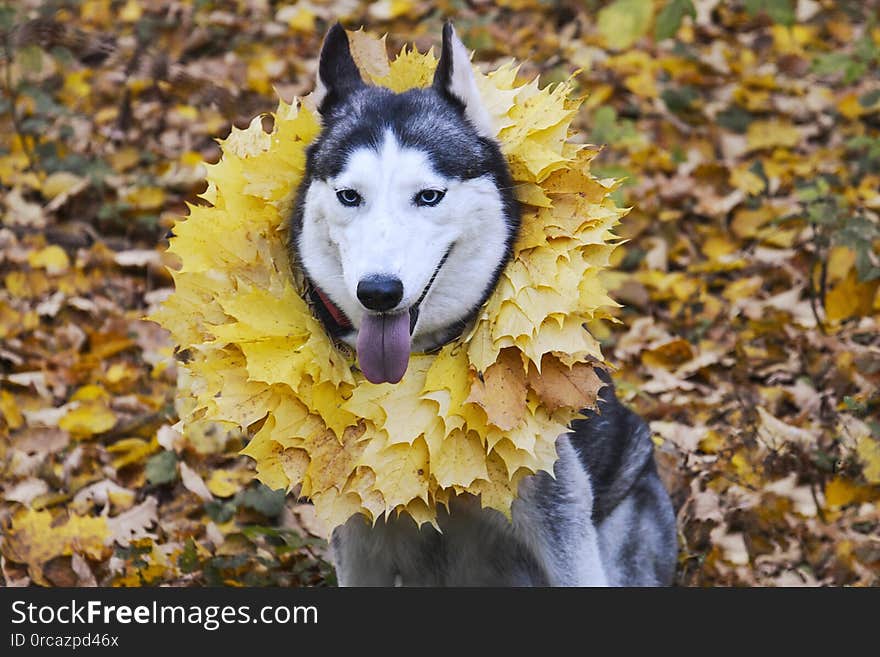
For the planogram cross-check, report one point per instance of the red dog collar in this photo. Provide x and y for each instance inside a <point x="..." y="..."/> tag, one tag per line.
<point x="334" y="312"/>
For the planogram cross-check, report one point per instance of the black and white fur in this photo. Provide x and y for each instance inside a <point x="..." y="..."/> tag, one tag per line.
<point x="605" y="519"/>
<point x="389" y="147"/>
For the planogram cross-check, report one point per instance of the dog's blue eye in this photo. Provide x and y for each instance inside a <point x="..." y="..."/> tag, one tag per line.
<point x="348" y="197"/>
<point x="429" y="197"/>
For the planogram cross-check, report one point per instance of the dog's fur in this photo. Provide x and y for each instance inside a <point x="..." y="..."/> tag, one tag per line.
<point x="605" y="518"/>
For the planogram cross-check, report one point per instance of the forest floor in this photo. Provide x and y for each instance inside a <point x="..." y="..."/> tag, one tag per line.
<point x="749" y="141"/>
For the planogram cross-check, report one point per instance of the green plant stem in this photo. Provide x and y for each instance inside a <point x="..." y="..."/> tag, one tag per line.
<point x="823" y="278"/>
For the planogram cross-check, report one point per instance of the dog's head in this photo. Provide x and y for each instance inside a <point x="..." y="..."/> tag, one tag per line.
<point x="406" y="216"/>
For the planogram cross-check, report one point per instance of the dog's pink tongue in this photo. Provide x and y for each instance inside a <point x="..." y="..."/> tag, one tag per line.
<point x="383" y="346"/>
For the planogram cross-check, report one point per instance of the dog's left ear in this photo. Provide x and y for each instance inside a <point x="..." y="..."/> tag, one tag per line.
<point x="338" y="75"/>
<point x="455" y="79"/>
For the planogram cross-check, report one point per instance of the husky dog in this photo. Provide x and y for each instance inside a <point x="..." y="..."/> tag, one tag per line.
<point x="403" y="223"/>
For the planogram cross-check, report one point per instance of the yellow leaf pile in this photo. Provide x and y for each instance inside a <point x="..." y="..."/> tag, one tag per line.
<point x="34" y="537"/>
<point x="475" y="417"/>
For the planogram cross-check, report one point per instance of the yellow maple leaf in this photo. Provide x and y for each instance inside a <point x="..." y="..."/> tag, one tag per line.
<point x="10" y="410"/>
<point x="52" y="258"/>
<point x="459" y="459"/>
<point x="226" y="483"/>
<point x="408" y="70"/>
<point x="839" y="492"/>
<point x="333" y="508"/>
<point x="771" y="134"/>
<point x="743" y="178"/>
<point x="131" y="450"/>
<point x="850" y="298"/>
<point x="333" y="459"/>
<point x="402" y="472"/>
<point x="35" y="537"/>
<point x="363" y="483"/>
<point x="869" y="454"/>
<point x="498" y="489"/>
<point x="295" y="463"/>
<point x="61" y="182"/>
<point x="623" y="21"/>
<point x="86" y="419"/>
<point x="268" y="455"/>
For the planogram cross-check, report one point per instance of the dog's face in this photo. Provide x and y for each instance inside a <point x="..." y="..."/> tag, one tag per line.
<point x="405" y="217"/>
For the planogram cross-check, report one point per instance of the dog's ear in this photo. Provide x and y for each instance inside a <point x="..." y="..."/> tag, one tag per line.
<point x="338" y="75"/>
<point x="454" y="78"/>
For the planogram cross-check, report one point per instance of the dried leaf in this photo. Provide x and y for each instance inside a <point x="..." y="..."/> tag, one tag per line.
<point x="36" y="537"/>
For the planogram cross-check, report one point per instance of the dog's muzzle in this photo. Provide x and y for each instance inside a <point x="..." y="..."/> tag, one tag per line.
<point x="384" y="339"/>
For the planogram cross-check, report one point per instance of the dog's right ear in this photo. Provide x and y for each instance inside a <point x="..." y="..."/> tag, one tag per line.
<point x="455" y="79"/>
<point x="338" y="75"/>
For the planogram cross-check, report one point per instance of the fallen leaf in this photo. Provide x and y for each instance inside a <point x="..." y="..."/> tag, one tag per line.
<point x="776" y="434"/>
<point x="132" y="525"/>
<point x="623" y="21"/>
<point x="194" y="483"/>
<point x="35" y="537"/>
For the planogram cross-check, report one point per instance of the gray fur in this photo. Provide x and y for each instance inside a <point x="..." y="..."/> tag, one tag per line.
<point x="556" y="537"/>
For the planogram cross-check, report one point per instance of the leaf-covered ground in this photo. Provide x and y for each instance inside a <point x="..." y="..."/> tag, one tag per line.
<point x="749" y="135"/>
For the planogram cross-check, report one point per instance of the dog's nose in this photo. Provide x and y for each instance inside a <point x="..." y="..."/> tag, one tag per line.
<point x="380" y="293"/>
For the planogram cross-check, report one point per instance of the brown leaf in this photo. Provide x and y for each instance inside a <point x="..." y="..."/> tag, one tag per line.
<point x="559" y="386"/>
<point x="369" y="54"/>
<point x="502" y="391"/>
<point x="59" y="572"/>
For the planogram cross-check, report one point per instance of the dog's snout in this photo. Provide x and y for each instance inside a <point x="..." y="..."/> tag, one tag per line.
<point x="380" y="293"/>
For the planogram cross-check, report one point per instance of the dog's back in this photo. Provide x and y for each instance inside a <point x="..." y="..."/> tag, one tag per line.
<point x="604" y="519"/>
<point x="631" y="508"/>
